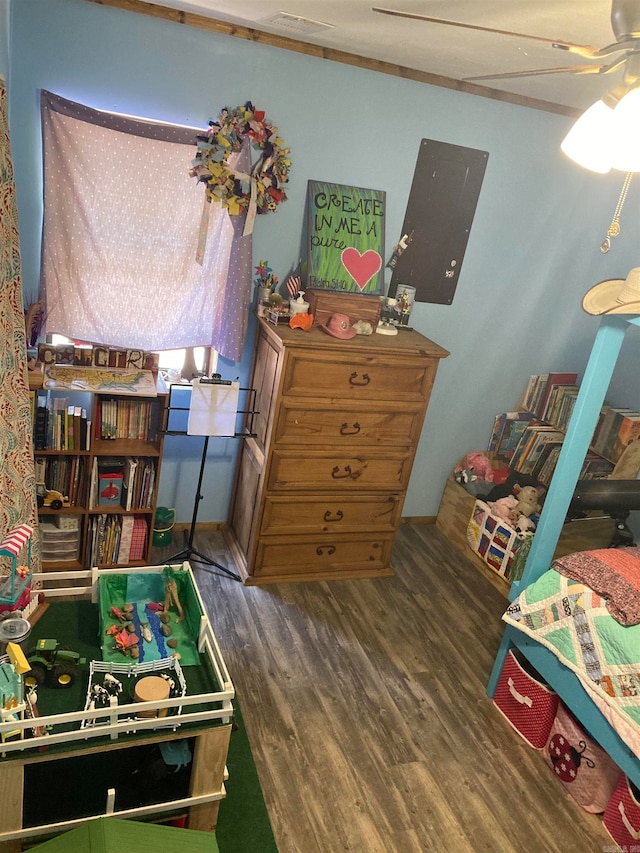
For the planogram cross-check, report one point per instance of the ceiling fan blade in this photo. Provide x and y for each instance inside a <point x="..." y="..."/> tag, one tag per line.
<point x="581" y="49"/>
<point x="567" y="69"/>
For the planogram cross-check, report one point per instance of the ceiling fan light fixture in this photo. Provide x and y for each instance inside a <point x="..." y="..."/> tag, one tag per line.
<point x="625" y="154"/>
<point x="589" y="142"/>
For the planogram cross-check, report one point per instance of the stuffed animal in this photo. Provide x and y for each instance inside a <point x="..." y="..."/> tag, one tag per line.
<point x="478" y="464"/>
<point x="471" y="484"/>
<point x="524" y="524"/>
<point x="527" y="503"/>
<point x="504" y="508"/>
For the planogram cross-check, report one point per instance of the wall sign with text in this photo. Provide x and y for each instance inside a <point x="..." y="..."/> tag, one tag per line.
<point x="346" y="238"/>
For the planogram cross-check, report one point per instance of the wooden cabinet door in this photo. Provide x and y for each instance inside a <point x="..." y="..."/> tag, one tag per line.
<point x="246" y="498"/>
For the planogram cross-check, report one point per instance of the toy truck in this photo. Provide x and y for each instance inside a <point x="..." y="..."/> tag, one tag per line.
<point x="50" y="661"/>
<point x="50" y="497"/>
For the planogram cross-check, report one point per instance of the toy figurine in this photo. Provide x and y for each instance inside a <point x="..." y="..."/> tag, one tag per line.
<point x="171" y="596"/>
<point x="112" y="685"/>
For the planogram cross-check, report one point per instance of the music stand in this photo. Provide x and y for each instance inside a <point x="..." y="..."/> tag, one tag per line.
<point x="189" y="552"/>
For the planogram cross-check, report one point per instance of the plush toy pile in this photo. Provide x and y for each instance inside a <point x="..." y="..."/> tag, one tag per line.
<point x="477" y="474"/>
<point x="513" y="497"/>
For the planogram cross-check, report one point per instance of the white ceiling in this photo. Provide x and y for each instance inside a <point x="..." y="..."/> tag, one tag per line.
<point x="453" y="52"/>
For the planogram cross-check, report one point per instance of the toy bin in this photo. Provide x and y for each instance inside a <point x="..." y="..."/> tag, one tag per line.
<point x="582" y="766"/>
<point x="495" y="541"/>
<point x="621" y="818"/>
<point x="528" y="704"/>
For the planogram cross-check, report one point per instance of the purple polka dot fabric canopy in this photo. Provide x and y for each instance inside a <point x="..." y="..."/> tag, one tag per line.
<point x="122" y="221"/>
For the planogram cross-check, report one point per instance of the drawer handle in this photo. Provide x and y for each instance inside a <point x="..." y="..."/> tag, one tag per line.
<point x="348" y="473"/>
<point x="354" y="429"/>
<point x="354" y="376"/>
<point x="337" y="517"/>
<point x="321" y="550"/>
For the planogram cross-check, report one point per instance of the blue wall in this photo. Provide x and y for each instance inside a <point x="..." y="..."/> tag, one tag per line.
<point x="533" y="249"/>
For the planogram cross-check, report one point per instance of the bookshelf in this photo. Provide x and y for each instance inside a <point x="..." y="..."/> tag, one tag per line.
<point x="97" y="459"/>
<point x="530" y="439"/>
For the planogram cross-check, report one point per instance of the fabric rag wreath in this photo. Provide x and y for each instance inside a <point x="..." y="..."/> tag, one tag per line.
<point x="257" y="191"/>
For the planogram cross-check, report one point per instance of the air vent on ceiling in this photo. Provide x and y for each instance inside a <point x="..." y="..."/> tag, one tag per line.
<point x="298" y="25"/>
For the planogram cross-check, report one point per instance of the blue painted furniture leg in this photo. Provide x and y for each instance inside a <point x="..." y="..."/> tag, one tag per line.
<point x="505" y="645"/>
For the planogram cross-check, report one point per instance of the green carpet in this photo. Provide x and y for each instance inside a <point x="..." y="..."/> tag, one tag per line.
<point x="243" y="822"/>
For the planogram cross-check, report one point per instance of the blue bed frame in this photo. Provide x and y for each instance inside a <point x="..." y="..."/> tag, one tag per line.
<point x="597" y="377"/>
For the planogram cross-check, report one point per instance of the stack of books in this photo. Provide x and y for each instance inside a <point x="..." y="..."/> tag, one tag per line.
<point x="530" y="441"/>
<point x="507" y="431"/>
<point x="60" y="425"/>
<point x="544" y="393"/>
<point x="126" y="418"/>
<point x="116" y="539"/>
<point x="616" y="429"/>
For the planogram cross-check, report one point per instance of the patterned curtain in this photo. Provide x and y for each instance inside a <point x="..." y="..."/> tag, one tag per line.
<point x="121" y="231"/>
<point x="17" y="483"/>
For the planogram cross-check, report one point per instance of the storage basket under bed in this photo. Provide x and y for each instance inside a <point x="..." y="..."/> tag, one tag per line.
<point x="528" y="704"/>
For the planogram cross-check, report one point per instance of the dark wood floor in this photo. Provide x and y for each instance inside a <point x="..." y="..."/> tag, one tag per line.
<point x="365" y="705"/>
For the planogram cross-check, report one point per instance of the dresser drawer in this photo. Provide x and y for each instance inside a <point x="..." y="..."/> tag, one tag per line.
<point x="322" y="374"/>
<point x="322" y="556"/>
<point x="333" y="514"/>
<point x="341" y="423"/>
<point x="339" y="471"/>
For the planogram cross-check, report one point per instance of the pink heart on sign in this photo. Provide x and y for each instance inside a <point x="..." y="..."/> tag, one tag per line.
<point x="361" y="267"/>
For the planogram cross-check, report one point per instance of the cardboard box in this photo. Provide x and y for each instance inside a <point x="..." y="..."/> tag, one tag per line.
<point x="324" y="303"/>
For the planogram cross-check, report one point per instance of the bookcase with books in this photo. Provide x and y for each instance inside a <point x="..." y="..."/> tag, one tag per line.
<point x="97" y="460"/>
<point x="529" y="440"/>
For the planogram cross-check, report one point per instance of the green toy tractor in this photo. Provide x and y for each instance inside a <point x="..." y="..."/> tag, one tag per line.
<point x="50" y="660"/>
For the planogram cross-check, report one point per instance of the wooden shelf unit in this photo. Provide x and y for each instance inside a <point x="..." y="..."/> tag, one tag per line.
<point x="81" y="507"/>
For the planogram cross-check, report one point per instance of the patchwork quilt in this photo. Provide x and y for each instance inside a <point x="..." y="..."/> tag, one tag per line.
<point x="573" y="622"/>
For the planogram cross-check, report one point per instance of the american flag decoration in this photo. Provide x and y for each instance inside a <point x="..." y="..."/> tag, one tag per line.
<point x="293" y="283"/>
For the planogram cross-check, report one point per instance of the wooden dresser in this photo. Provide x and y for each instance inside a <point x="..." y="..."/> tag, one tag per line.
<point x="319" y="490"/>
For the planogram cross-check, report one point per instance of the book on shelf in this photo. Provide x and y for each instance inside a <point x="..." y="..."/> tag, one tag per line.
<point x="596" y="467"/>
<point x="553" y="381"/>
<point x="604" y="437"/>
<point x="506" y="433"/>
<point x="540" y="389"/>
<point x="531" y="445"/>
<point x="543" y="471"/>
<point x="40" y="423"/>
<point x="127" y="418"/>
<point x="615" y="425"/>
<point x="138" y="538"/>
<point x="627" y="431"/>
<point x="126" y="534"/>
<point x="128" y="486"/>
<point x="565" y="403"/>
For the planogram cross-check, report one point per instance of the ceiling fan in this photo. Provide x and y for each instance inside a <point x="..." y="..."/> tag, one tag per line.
<point x="625" y="23"/>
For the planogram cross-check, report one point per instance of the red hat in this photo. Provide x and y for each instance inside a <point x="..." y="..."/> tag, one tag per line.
<point x="339" y="326"/>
